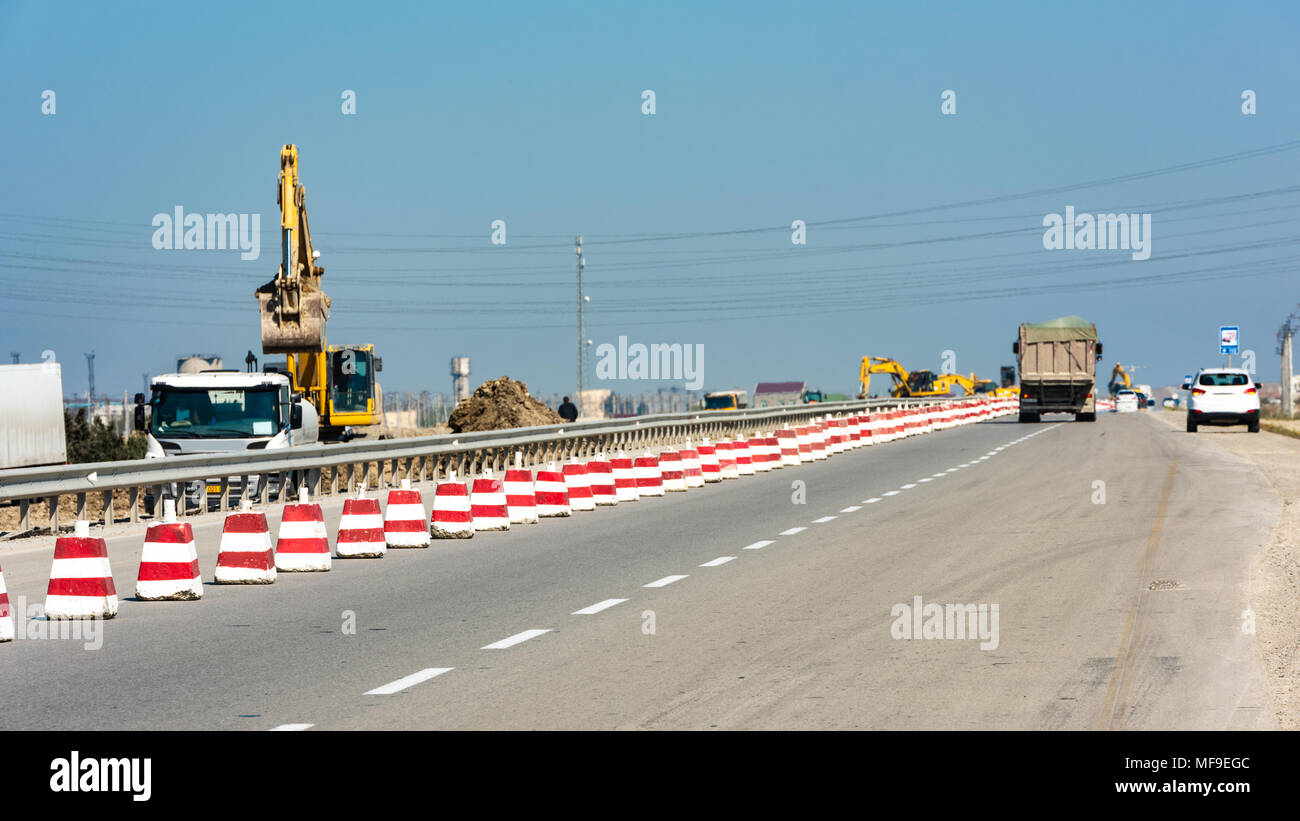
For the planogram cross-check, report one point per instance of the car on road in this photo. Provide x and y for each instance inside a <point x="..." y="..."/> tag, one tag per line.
<point x="1126" y="401"/>
<point x="1222" y="396"/>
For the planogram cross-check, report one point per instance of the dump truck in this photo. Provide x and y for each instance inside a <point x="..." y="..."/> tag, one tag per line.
<point x="734" y="399"/>
<point x="223" y="411"/>
<point x="1058" y="368"/>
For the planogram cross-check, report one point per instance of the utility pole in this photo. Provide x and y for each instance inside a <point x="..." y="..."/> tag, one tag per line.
<point x="1288" y="397"/>
<point x="90" y="364"/>
<point x="582" y="326"/>
<point x="1284" y="341"/>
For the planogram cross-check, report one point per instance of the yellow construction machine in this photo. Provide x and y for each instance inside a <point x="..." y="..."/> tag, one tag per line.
<point x="906" y="384"/>
<point x="1119" y="380"/>
<point x="339" y="380"/>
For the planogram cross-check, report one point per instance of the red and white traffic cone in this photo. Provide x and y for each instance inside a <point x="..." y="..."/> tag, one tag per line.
<point x="819" y="439"/>
<point x="727" y="459"/>
<point x="552" y="493"/>
<point x="361" y="530"/>
<point x="245" y="555"/>
<point x="803" y="440"/>
<point x="744" y="459"/>
<point x="521" y="503"/>
<point x="758" y="453"/>
<point x="625" y="489"/>
<point x="789" y="446"/>
<point x="81" y="582"/>
<point x="452" y="516"/>
<point x="303" y="544"/>
<point x="169" y="564"/>
<point x="692" y="470"/>
<point x="578" y="485"/>
<point x="672" y="471"/>
<point x="487" y="503"/>
<point x="600" y="471"/>
<point x="710" y="467"/>
<point x="404" y="518"/>
<point x="6" y="611"/>
<point x="649" y="477"/>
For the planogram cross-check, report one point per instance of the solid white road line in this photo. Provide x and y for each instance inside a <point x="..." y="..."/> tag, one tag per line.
<point x="408" y="681"/>
<point x="718" y="561"/>
<point x="792" y="531"/>
<point x="597" y="607"/>
<point x="517" y="638"/>
<point x="758" y="545"/>
<point x="823" y="520"/>
<point x="851" y="509"/>
<point x="665" y="581"/>
<point x="288" y="728"/>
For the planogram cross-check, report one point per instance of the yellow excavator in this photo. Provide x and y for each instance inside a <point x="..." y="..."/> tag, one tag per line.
<point x="1119" y="380"/>
<point x="906" y="384"/>
<point x="339" y="380"/>
<point x="974" y="386"/>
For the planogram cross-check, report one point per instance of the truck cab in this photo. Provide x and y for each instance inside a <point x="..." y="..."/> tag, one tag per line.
<point x="726" y="400"/>
<point x="226" y="412"/>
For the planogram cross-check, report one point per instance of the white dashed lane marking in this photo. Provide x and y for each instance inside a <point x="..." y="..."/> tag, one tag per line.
<point x="758" y="545"/>
<point x="891" y="493"/>
<point x="793" y="531"/>
<point x="288" y="728"/>
<point x="665" y="581"/>
<point x="597" y="607"/>
<point x="907" y="486"/>
<point x="871" y="501"/>
<point x="851" y="509"/>
<point x="408" y="681"/>
<point x="517" y="638"/>
<point x="718" y="561"/>
<point x="823" y="520"/>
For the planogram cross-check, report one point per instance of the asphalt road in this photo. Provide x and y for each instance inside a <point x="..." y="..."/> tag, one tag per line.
<point x="792" y="634"/>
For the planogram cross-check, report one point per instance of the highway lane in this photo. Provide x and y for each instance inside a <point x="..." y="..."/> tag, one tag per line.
<point x="795" y="633"/>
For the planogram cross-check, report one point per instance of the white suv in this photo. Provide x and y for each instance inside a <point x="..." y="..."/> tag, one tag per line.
<point x="1222" y="396"/>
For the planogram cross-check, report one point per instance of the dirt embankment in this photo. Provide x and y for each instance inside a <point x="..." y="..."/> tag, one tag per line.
<point x="499" y="404"/>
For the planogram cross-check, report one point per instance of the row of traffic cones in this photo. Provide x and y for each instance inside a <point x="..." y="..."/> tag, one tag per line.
<point x="81" y="581"/>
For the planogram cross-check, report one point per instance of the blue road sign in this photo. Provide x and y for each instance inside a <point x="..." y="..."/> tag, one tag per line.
<point x="1229" y="339"/>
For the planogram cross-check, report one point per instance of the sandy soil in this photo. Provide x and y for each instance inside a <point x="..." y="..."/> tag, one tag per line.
<point x="1275" y="586"/>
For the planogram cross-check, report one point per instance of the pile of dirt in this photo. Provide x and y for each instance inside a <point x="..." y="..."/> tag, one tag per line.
<point x="499" y="404"/>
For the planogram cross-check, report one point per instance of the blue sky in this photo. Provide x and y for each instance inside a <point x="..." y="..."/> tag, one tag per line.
<point x="531" y="113"/>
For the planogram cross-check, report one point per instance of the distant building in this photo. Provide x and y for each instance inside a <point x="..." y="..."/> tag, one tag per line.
<point x="775" y="394"/>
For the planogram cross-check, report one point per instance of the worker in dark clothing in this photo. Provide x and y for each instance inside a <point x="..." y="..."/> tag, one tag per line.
<point x="568" y="412"/>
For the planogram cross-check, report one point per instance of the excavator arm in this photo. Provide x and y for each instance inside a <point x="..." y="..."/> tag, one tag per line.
<point x="882" y="364"/>
<point x="293" y="307"/>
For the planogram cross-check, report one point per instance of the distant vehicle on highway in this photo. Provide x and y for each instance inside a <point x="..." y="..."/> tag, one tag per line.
<point x="31" y="415"/>
<point x="1058" y="368"/>
<point x="1222" y="396"/>
<point x="1126" y="401"/>
<point x="1171" y="401"/>
<point x="225" y="412"/>
<point x="726" y="400"/>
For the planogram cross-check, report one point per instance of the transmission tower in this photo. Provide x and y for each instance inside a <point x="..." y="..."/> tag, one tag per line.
<point x="90" y="364"/>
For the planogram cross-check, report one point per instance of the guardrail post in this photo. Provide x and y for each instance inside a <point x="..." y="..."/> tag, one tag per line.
<point x="24" y="515"/>
<point x="224" y="505"/>
<point x="108" y="508"/>
<point x="53" y="503"/>
<point x="81" y="507"/>
<point x="133" y="500"/>
<point x="314" y="476"/>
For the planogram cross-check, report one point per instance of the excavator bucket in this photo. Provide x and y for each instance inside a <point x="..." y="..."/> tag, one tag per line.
<point x="293" y="328"/>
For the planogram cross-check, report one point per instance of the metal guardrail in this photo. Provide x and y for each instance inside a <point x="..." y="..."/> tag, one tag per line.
<point x="418" y="458"/>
